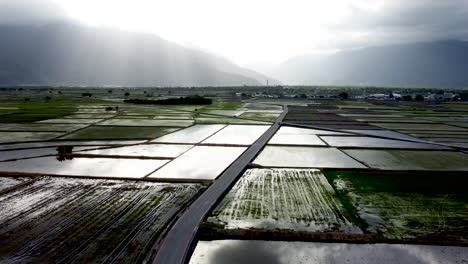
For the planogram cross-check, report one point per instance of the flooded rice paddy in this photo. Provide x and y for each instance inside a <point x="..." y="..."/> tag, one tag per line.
<point x="147" y="122"/>
<point x="306" y="131"/>
<point x="146" y="150"/>
<point x="237" y="135"/>
<point x="407" y="206"/>
<point x="70" y="220"/>
<point x="305" y="157"/>
<point x="279" y="252"/>
<point x="10" y="137"/>
<point x="372" y="142"/>
<point x="294" y="199"/>
<point x="199" y="163"/>
<point x="193" y="134"/>
<point x="411" y="159"/>
<point x="296" y="139"/>
<point x="102" y="167"/>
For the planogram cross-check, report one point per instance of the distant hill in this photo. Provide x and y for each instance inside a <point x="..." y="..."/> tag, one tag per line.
<point x="70" y="54"/>
<point x="432" y="64"/>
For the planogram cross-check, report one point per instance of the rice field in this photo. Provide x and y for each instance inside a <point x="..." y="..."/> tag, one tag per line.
<point x="288" y="199"/>
<point x="427" y="207"/>
<point x="282" y="252"/>
<point x="304" y="157"/>
<point x="71" y="220"/>
<point x="79" y="166"/>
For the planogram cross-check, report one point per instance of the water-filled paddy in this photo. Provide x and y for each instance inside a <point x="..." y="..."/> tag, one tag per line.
<point x="225" y="112"/>
<point x="411" y="159"/>
<point x="306" y="131"/>
<point x="147" y="150"/>
<point x="295" y="139"/>
<point x="414" y="206"/>
<point x="384" y="133"/>
<point x="237" y="135"/>
<point x="305" y="157"/>
<point x="147" y="122"/>
<point x="199" y="163"/>
<point x="226" y="120"/>
<point x="193" y="134"/>
<point x="69" y="143"/>
<point x="9" y="137"/>
<point x="407" y="126"/>
<point x="372" y="142"/>
<point x="294" y="199"/>
<point x="120" y="132"/>
<point x="26" y="153"/>
<point x="87" y="221"/>
<point x="40" y="127"/>
<point x="280" y="252"/>
<point x="102" y="167"/>
<point x="71" y="121"/>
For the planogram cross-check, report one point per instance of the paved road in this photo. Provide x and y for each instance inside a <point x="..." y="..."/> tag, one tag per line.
<point x="177" y="246"/>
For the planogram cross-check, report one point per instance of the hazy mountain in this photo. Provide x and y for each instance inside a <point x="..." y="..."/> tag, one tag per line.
<point x="70" y="54"/>
<point x="434" y="64"/>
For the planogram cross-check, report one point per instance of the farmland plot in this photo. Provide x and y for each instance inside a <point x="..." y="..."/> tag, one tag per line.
<point x="426" y="207"/>
<point x="84" y="221"/>
<point x="294" y="199"/>
<point x="282" y="252"/>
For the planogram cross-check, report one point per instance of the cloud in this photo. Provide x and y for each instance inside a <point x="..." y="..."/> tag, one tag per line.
<point x="30" y="12"/>
<point x="401" y="21"/>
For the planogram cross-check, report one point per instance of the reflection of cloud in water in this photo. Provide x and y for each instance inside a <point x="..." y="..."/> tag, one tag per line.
<point x="246" y="252"/>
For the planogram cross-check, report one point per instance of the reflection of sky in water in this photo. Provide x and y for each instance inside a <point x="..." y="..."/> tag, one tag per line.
<point x="254" y="252"/>
<point x="146" y="122"/>
<point x="310" y="157"/>
<point x="132" y="168"/>
<point x="370" y="142"/>
<point x="411" y="159"/>
<point x="292" y="139"/>
<point x="385" y="133"/>
<point x="193" y="134"/>
<point x="70" y="143"/>
<point x="200" y="162"/>
<point x="237" y="134"/>
<point x="36" y="152"/>
<point x="147" y="150"/>
<point x="306" y="131"/>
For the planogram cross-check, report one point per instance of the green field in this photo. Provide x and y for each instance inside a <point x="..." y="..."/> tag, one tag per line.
<point x="422" y="206"/>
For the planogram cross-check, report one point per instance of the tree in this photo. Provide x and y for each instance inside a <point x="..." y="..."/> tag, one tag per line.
<point x="110" y="91"/>
<point x="407" y="98"/>
<point x="127" y="94"/>
<point x="343" y="95"/>
<point x="48" y="98"/>
<point x="303" y="96"/>
<point x="419" y="98"/>
<point x="390" y="95"/>
<point x="26" y="99"/>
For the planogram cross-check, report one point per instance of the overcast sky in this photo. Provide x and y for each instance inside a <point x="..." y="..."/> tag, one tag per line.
<point x="260" y="31"/>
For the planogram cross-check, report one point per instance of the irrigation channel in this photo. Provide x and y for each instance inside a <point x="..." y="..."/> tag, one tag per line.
<point x="178" y="244"/>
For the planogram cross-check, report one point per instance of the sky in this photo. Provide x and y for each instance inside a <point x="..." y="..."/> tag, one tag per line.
<point x="258" y="32"/>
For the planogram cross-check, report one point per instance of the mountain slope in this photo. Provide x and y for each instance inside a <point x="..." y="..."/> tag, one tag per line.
<point x="432" y="64"/>
<point x="69" y="54"/>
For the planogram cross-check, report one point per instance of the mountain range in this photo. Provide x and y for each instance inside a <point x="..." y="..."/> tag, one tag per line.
<point x="441" y="64"/>
<point x="72" y="54"/>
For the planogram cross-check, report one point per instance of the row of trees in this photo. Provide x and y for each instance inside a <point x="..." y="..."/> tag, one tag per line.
<point x="190" y="100"/>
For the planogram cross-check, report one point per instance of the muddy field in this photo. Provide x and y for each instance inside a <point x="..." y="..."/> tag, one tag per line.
<point x="423" y="207"/>
<point x="48" y="219"/>
<point x="292" y="199"/>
